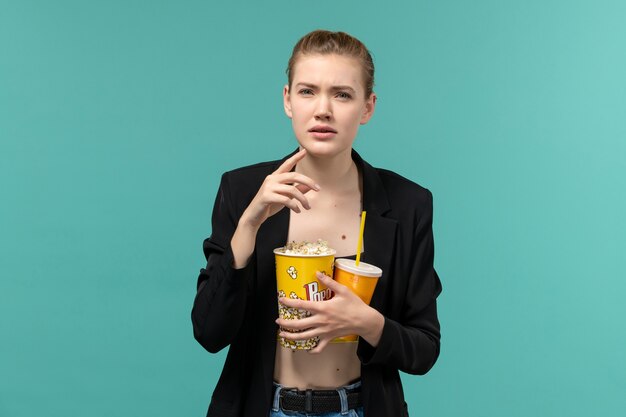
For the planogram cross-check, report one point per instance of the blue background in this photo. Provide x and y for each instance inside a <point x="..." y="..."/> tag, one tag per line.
<point x="118" y="117"/>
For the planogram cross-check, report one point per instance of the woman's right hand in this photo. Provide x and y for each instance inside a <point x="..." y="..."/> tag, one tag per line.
<point x="282" y="188"/>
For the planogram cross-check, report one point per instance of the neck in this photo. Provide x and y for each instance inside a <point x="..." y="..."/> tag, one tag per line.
<point x="336" y="173"/>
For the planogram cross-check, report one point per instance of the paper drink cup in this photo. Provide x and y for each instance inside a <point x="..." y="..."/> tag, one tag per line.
<point x="295" y="278"/>
<point x="361" y="279"/>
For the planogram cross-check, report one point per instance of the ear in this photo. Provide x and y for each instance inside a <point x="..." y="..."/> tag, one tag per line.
<point x="287" y="101"/>
<point x="368" y="111"/>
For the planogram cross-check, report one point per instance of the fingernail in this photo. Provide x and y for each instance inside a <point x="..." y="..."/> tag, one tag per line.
<point x="317" y="187"/>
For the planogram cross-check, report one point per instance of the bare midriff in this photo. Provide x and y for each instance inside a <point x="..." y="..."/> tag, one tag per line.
<point x="333" y="367"/>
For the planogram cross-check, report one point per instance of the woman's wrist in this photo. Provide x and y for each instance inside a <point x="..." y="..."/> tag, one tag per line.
<point x="372" y="324"/>
<point x="242" y="243"/>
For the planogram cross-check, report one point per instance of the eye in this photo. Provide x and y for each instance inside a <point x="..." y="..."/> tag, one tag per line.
<point x="305" y="91"/>
<point x="343" y="95"/>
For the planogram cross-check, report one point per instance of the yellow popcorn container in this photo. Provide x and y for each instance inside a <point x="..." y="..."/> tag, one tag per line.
<point x="295" y="278"/>
<point x="361" y="279"/>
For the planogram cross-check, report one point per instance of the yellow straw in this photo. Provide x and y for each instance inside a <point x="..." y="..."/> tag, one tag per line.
<point x="360" y="243"/>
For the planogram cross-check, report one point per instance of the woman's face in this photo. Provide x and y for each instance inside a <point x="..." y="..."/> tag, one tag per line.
<point x="326" y="103"/>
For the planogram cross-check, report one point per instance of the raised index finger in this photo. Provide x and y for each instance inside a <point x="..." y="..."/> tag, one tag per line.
<point x="291" y="162"/>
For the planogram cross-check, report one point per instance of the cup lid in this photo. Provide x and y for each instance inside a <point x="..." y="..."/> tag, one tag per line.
<point x="362" y="269"/>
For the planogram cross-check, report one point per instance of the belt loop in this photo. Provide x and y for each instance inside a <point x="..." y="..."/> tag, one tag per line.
<point x="276" y="402"/>
<point x="308" y="401"/>
<point x="344" y="400"/>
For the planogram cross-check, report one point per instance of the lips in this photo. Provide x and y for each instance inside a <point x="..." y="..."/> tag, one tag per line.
<point x="322" y="129"/>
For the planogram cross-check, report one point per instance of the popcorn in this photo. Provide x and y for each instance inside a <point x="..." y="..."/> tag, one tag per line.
<point x="290" y="313"/>
<point x="320" y="247"/>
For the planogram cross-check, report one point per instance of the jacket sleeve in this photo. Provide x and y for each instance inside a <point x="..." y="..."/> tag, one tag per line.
<point x="411" y="343"/>
<point x="222" y="291"/>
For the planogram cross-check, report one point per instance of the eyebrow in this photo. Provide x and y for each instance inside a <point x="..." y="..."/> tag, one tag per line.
<point x="334" y="87"/>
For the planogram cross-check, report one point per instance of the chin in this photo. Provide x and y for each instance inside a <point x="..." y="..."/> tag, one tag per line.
<point x="323" y="148"/>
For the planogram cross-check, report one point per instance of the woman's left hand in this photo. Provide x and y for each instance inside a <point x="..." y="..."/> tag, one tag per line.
<point x="342" y="315"/>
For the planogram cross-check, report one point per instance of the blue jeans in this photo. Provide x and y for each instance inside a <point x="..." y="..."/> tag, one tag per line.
<point x="346" y="412"/>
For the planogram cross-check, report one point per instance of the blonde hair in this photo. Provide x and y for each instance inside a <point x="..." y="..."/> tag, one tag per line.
<point x="325" y="42"/>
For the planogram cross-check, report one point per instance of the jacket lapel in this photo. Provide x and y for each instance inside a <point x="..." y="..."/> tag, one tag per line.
<point x="380" y="231"/>
<point x="272" y="234"/>
<point x="380" y="237"/>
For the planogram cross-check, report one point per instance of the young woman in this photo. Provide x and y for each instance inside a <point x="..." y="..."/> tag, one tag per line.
<point x="319" y="191"/>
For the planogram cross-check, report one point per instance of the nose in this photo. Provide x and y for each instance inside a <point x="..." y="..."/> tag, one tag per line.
<point x="323" y="110"/>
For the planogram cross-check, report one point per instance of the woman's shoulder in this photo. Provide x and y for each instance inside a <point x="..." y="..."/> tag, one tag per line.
<point x="401" y="184"/>
<point x="241" y="184"/>
<point x="402" y="191"/>
<point x="409" y="202"/>
<point x="396" y="187"/>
